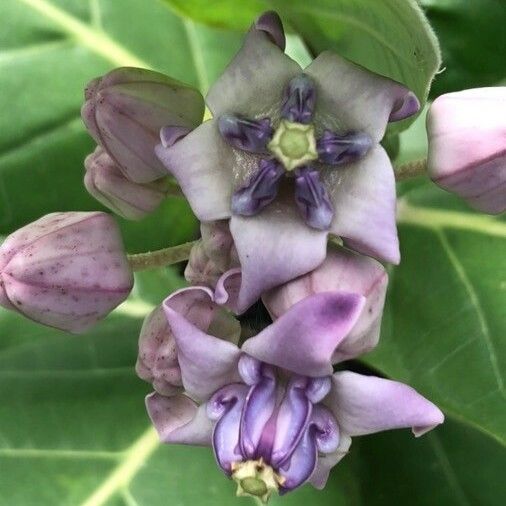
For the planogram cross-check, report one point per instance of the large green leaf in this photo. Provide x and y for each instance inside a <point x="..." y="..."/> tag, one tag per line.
<point x="470" y="58"/>
<point x="444" y="323"/>
<point x="49" y="49"/>
<point x="391" y="37"/>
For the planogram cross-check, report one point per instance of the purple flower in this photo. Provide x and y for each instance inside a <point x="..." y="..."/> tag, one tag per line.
<point x="65" y="270"/>
<point x="291" y="156"/>
<point x="467" y="146"/>
<point x="273" y="410"/>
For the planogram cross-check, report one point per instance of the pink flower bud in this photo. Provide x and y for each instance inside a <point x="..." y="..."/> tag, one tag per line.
<point x="125" y="110"/>
<point x="65" y="270"/>
<point x="467" y="146"/>
<point x="342" y="271"/>
<point x="109" y="186"/>
<point x="213" y="255"/>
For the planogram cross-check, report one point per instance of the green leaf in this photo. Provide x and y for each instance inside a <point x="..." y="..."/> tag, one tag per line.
<point x="391" y="37"/>
<point x="444" y="324"/>
<point x="472" y="39"/>
<point x="49" y="50"/>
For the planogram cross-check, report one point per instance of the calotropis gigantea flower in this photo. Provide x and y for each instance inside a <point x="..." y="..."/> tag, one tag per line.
<point x="125" y="109"/>
<point x="342" y="270"/>
<point x="157" y="361"/>
<point x="273" y="410"/>
<point x="467" y="146"/>
<point x="290" y="156"/>
<point x="105" y="181"/>
<point x="65" y="270"/>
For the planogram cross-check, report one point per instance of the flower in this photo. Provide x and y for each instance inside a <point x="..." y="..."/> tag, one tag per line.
<point x="467" y="146"/>
<point x="105" y="181"/>
<point x="273" y="410"/>
<point x="291" y="156"/>
<point x="125" y="109"/>
<point x="65" y="270"/>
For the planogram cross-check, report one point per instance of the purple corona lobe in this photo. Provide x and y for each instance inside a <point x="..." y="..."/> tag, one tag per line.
<point x="299" y="100"/>
<point x="248" y="135"/>
<point x="336" y="149"/>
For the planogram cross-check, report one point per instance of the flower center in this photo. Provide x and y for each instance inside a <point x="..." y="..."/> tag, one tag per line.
<point x="255" y="478"/>
<point x="293" y="144"/>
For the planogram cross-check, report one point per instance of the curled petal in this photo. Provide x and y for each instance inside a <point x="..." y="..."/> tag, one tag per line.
<point x="299" y="100"/>
<point x="260" y="190"/>
<point x="304" y="338"/>
<point x="250" y="370"/>
<point x="312" y="199"/>
<point x="256" y="433"/>
<point x="289" y="248"/>
<point x="336" y="149"/>
<point x="225" y="407"/>
<point x="253" y="82"/>
<point x="207" y="363"/>
<point x="318" y="388"/>
<point x="179" y="420"/>
<point x="325" y="429"/>
<point x="353" y="99"/>
<point x="342" y="270"/>
<point x="367" y="404"/>
<point x="363" y="197"/>
<point x="467" y="146"/>
<point x="169" y="135"/>
<point x="202" y="162"/>
<point x="270" y="23"/>
<point x="246" y="134"/>
<point x="293" y="417"/>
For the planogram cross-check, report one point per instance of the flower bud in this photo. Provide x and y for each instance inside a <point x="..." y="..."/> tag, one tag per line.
<point x="125" y="110"/>
<point x="110" y="187"/>
<point x="213" y="255"/>
<point x="467" y="146"/>
<point x="342" y="271"/>
<point x="65" y="270"/>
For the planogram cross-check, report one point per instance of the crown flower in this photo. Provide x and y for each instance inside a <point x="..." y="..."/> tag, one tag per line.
<point x="290" y="156"/>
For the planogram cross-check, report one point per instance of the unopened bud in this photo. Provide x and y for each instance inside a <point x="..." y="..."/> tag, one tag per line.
<point x="125" y="110"/>
<point x="110" y="187"/>
<point x="65" y="270"/>
<point x="467" y="146"/>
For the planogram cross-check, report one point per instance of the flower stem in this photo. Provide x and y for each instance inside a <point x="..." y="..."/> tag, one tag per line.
<point x="411" y="169"/>
<point x="161" y="257"/>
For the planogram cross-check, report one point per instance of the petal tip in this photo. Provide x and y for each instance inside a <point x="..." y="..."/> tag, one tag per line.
<point x="405" y="107"/>
<point x="270" y="23"/>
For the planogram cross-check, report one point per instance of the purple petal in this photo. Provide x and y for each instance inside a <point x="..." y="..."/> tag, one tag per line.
<point x="327" y="461"/>
<point x="361" y="100"/>
<point x="255" y="438"/>
<point x="467" y="146"/>
<point x="289" y="248"/>
<point x="312" y="199"/>
<point x="299" y="100"/>
<point x="293" y="417"/>
<point x="336" y="149"/>
<point x="254" y="81"/>
<point x="367" y="404"/>
<point x="346" y="271"/>
<point x="270" y="23"/>
<point x="246" y="134"/>
<point x="207" y="363"/>
<point x="202" y="162"/>
<point x="260" y="190"/>
<point x="226" y="406"/>
<point x="179" y="420"/>
<point x="325" y="429"/>
<point x="318" y="388"/>
<point x="250" y="370"/>
<point x="304" y="338"/>
<point x="363" y="196"/>
<point x="169" y="135"/>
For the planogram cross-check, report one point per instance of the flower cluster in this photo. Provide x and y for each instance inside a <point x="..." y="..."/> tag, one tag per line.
<point x="296" y="198"/>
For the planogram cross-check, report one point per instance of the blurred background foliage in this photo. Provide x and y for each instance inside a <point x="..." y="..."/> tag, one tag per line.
<point x="73" y="430"/>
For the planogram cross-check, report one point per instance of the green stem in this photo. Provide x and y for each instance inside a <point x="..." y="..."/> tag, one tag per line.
<point x="161" y="257"/>
<point x="411" y="169"/>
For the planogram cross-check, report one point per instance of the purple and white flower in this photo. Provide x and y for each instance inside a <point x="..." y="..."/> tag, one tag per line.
<point x="275" y="413"/>
<point x="290" y="156"/>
